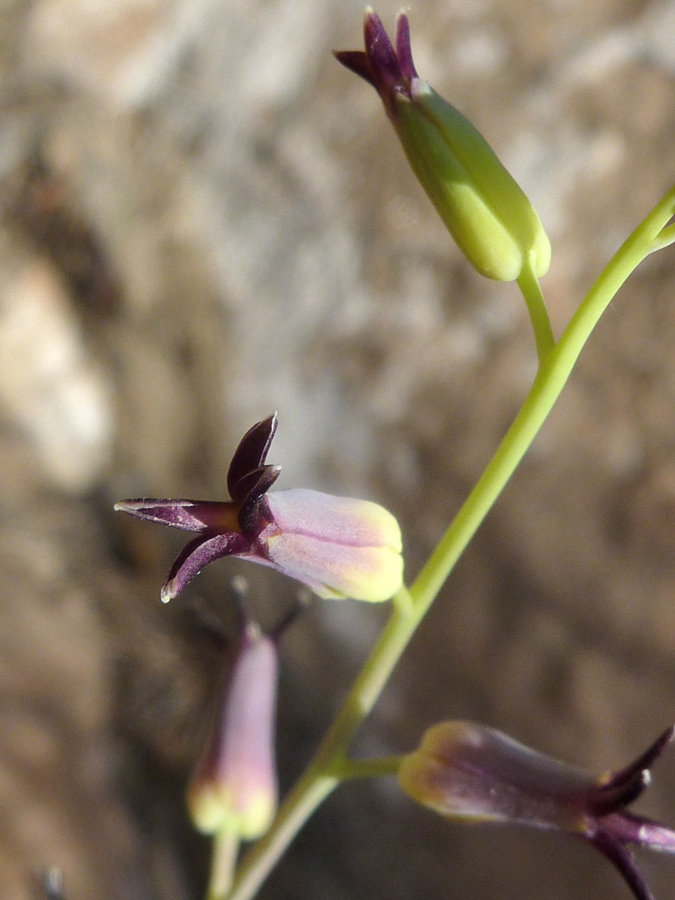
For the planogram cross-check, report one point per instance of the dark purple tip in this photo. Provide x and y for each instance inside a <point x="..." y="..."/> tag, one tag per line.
<point x="379" y="49"/>
<point x="357" y="62"/>
<point x="626" y="785"/>
<point x="403" y="48"/>
<point x="249" y="456"/>
<point x="390" y="70"/>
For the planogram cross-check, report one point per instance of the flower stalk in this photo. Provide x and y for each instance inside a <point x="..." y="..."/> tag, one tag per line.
<point x="345" y="548"/>
<point x="316" y="784"/>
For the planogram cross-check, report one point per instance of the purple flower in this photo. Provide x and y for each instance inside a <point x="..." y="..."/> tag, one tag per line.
<point x="234" y="785"/>
<point x="470" y="772"/>
<point x="338" y="547"/>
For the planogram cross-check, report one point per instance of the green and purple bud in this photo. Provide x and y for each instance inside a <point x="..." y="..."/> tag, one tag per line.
<point x="337" y="546"/>
<point x="472" y="773"/>
<point x="480" y="203"/>
<point x="234" y="786"/>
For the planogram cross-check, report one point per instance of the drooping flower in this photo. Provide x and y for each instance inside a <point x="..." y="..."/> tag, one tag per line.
<point x="337" y="546"/>
<point x="234" y="786"/>
<point x="469" y="772"/>
<point x="482" y="206"/>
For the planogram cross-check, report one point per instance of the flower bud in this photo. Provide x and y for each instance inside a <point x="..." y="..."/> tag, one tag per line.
<point x="472" y="773"/>
<point x="482" y="206"/>
<point x="234" y="785"/>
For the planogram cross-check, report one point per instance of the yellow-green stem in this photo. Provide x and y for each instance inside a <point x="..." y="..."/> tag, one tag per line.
<point x="224" y="857"/>
<point x="371" y="767"/>
<point x="536" y="307"/>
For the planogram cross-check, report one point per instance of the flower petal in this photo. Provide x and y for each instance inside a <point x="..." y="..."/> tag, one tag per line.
<point x="339" y="520"/>
<point x="336" y="571"/>
<point x="467" y="771"/>
<point x="337" y="546"/>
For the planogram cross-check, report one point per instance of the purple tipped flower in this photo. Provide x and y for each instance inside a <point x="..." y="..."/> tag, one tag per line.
<point x="338" y="547"/>
<point x="470" y="772"/>
<point x="234" y="786"/>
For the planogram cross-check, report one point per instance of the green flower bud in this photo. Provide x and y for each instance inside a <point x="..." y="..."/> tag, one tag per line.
<point x="482" y="206"/>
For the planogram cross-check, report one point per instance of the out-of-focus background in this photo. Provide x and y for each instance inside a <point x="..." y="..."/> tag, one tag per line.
<point x="203" y="219"/>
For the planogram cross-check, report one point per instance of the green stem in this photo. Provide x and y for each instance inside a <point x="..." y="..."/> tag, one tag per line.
<point x="551" y="376"/>
<point x="225" y="847"/>
<point x="541" y="324"/>
<point x="664" y="239"/>
<point x="375" y="767"/>
<point x="410" y="607"/>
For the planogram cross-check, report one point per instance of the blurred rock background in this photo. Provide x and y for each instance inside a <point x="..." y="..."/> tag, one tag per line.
<point x="204" y="218"/>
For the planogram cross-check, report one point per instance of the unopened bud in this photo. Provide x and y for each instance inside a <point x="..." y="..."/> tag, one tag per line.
<point x="234" y="786"/>
<point x="480" y="203"/>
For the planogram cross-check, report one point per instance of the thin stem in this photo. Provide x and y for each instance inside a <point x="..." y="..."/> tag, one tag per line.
<point x="550" y="379"/>
<point x="665" y="238"/>
<point x="309" y="792"/>
<point x="534" y="299"/>
<point x="375" y="767"/>
<point x="225" y="847"/>
<point x="409" y="608"/>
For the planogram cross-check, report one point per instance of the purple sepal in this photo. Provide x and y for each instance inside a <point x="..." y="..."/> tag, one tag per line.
<point x="389" y="70"/>
<point x="195" y="555"/>
<point x="250" y="456"/>
<point x="256" y="484"/>
<point x="630" y="828"/>
<point x="622" y="858"/>
<point x="404" y="49"/>
<point x="626" y="785"/>
<point x="357" y="62"/>
<point x="184" y="514"/>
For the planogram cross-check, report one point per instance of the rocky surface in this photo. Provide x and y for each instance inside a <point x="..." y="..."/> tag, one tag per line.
<point x="204" y="218"/>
